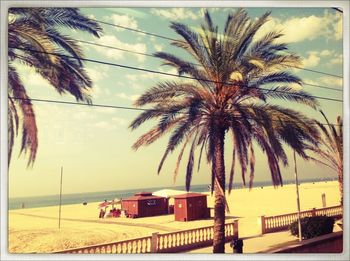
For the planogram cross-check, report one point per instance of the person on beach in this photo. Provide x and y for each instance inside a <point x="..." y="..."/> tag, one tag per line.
<point x="237" y="245"/>
<point x="102" y="213"/>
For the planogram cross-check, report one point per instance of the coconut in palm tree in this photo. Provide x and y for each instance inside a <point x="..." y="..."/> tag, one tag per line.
<point x="234" y="76"/>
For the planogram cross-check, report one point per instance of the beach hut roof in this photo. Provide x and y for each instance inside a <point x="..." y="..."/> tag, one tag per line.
<point x="142" y="196"/>
<point x="190" y="195"/>
<point x="168" y="193"/>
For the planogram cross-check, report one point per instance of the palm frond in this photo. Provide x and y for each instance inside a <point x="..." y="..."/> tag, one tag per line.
<point x="37" y="32"/>
<point x="252" y="165"/>
<point x="190" y="164"/>
<point x="232" y="171"/>
<point x="276" y="77"/>
<point x="29" y="128"/>
<point x="155" y="133"/>
<point x="13" y="124"/>
<point x="290" y="94"/>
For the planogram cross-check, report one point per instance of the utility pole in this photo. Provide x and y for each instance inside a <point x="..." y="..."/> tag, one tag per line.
<point x="59" y="211"/>
<point x="298" y="200"/>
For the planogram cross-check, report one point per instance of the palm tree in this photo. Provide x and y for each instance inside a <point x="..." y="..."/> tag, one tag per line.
<point x="228" y="95"/>
<point x="331" y="150"/>
<point x="32" y="34"/>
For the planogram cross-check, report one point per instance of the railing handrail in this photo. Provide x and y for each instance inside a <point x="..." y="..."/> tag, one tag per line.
<point x="130" y="240"/>
<point x="280" y="222"/>
<point x="104" y="244"/>
<point x="305" y="211"/>
<point x="191" y="230"/>
<point x="339" y="206"/>
<point x="134" y="239"/>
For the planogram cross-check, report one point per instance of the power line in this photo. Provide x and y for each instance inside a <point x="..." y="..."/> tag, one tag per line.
<point x="173" y="39"/>
<point x="79" y="103"/>
<point x="113" y="106"/>
<point x="314" y="71"/>
<point x="135" y="30"/>
<point x="322" y="87"/>
<point x="115" y="48"/>
<point x="164" y="73"/>
<point x="337" y="9"/>
<point x="196" y="64"/>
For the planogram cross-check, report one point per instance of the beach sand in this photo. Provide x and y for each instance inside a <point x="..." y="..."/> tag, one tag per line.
<point x="36" y="230"/>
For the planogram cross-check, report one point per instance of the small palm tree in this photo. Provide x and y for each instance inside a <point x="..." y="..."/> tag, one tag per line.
<point x="228" y="95"/>
<point x="37" y="31"/>
<point x="330" y="151"/>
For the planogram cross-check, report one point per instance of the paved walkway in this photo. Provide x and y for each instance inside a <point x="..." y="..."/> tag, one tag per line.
<point x="255" y="244"/>
<point x="262" y="243"/>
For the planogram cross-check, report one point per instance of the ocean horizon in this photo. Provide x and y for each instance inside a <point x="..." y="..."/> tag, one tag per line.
<point x="76" y="198"/>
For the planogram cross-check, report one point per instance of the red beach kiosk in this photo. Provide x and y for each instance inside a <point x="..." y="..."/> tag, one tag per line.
<point x="191" y="206"/>
<point x="144" y="204"/>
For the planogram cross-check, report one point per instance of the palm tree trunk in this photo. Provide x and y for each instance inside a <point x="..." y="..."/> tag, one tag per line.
<point x="218" y="170"/>
<point x="340" y="180"/>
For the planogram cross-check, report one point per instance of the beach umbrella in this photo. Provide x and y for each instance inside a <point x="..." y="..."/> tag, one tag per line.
<point x="115" y="202"/>
<point x="104" y="204"/>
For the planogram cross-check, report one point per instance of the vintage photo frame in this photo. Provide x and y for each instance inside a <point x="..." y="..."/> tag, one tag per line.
<point x="5" y="5"/>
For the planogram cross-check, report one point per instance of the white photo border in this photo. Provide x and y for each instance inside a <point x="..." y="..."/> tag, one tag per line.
<point x="6" y="4"/>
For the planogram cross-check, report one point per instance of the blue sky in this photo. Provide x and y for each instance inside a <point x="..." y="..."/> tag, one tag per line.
<point x="94" y="144"/>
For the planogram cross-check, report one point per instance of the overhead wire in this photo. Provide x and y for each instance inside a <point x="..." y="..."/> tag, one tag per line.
<point x="177" y="40"/>
<point x="196" y="64"/>
<point x="111" y="106"/>
<point x="165" y="73"/>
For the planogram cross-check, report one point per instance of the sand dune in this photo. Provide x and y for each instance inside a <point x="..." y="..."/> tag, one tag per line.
<point x="36" y="229"/>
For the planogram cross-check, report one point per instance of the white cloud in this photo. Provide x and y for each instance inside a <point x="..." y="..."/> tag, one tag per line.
<point x="175" y="14"/>
<point x="331" y="81"/>
<point x="338" y="59"/>
<point x="338" y="27"/>
<point x="335" y="58"/>
<point x="29" y="76"/>
<point x="111" y="124"/>
<point x="298" y="29"/>
<point x="311" y="82"/>
<point x="97" y="73"/>
<point x="105" y="110"/>
<point x="97" y="91"/>
<point x="129" y="97"/>
<point x="131" y="77"/>
<point x="123" y="20"/>
<point x="140" y="78"/>
<point x="91" y="16"/>
<point x="326" y="53"/>
<point x="104" y="125"/>
<point x="119" y="121"/>
<point x="158" y="47"/>
<point x="80" y="113"/>
<point x="329" y="57"/>
<point x="113" y="41"/>
<point x="312" y="60"/>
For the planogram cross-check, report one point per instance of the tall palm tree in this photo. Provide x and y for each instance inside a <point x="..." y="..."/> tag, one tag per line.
<point x="330" y="151"/>
<point x="228" y="95"/>
<point x="37" y="32"/>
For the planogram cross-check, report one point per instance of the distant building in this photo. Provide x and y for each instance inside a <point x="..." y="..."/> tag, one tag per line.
<point x="144" y="204"/>
<point x="191" y="206"/>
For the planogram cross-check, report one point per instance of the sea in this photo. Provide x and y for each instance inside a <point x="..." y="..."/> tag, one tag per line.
<point x="80" y="198"/>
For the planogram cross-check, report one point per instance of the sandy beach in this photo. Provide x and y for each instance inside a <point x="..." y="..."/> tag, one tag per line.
<point x="36" y="229"/>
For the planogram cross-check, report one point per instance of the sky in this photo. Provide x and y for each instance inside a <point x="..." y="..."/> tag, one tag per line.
<point x="94" y="144"/>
